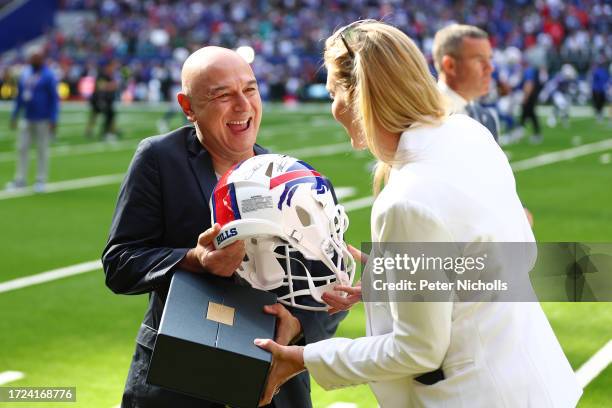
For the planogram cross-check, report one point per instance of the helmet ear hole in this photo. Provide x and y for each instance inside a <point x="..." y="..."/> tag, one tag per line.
<point x="254" y="241"/>
<point x="269" y="169"/>
<point x="303" y="216"/>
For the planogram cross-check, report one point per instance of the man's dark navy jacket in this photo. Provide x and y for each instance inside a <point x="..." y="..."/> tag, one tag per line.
<point x="161" y="210"/>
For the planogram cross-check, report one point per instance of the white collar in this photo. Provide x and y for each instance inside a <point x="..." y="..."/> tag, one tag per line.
<point x="457" y="102"/>
<point x="414" y="142"/>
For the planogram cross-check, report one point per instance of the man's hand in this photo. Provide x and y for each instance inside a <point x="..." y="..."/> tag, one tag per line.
<point x="52" y="128"/>
<point x="287" y="362"/>
<point x="204" y="257"/>
<point x="288" y="327"/>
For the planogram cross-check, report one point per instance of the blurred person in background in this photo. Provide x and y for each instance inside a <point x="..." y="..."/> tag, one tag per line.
<point x="600" y="81"/>
<point x="102" y="101"/>
<point x="8" y="84"/>
<point x="37" y="96"/>
<point x="462" y="56"/>
<point x="510" y="75"/>
<point x="531" y="86"/>
<point x="560" y="90"/>
<point x="171" y="87"/>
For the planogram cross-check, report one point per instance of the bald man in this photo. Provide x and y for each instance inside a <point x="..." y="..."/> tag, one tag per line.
<point x="162" y="220"/>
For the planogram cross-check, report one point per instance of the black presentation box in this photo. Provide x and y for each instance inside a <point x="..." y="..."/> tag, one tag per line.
<point x="204" y="345"/>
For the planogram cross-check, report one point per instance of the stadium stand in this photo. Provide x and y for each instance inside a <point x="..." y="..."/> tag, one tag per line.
<point x="150" y="38"/>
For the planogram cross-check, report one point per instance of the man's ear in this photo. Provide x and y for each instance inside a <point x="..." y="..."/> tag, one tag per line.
<point x="185" y="103"/>
<point x="448" y="65"/>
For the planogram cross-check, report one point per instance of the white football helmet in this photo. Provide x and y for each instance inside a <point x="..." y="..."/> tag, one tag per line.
<point x="279" y="206"/>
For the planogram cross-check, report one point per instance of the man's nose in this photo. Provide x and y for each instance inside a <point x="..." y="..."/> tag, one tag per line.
<point x="241" y="103"/>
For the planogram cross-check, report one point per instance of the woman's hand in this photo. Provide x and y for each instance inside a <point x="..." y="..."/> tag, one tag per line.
<point x="342" y="298"/>
<point x="357" y="254"/>
<point x="347" y="296"/>
<point x="287" y="362"/>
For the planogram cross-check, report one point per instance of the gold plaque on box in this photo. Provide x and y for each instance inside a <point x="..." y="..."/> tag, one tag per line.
<point x="220" y="313"/>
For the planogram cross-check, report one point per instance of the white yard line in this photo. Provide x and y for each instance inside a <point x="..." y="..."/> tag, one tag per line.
<point x="358" y="204"/>
<point x="344" y="192"/>
<point x="10" y="376"/>
<point x="342" y="405"/>
<point x="50" y="276"/>
<point x="561" y="155"/>
<point x="130" y="144"/>
<point x="66" y="185"/>
<point x="319" y="151"/>
<point x="595" y="365"/>
<point x="521" y="165"/>
<point x="96" y="264"/>
<point x="69" y="150"/>
<point x="314" y="151"/>
<point x="75" y="184"/>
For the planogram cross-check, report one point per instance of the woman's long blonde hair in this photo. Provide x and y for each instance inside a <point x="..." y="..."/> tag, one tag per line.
<point x="387" y="84"/>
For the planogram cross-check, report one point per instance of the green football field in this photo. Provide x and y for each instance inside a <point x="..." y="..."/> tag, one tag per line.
<point x="75" y="332"/>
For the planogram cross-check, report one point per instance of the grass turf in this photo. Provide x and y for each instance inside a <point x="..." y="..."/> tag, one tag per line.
<point x="74" y="332"/>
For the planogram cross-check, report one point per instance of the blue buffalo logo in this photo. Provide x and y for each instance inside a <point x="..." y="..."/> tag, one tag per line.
<point x="299" y="173"/>
<point x="317" y="183"/>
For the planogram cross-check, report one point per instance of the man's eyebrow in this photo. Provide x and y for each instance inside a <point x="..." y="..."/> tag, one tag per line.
<point x="479" y="55"/>
<point x="218" y="89"/>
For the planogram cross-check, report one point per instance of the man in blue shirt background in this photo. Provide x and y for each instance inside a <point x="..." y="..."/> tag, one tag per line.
<point x="37" y="96"/>
<point x="532" y="85"/>
<point x="599" y="84"/>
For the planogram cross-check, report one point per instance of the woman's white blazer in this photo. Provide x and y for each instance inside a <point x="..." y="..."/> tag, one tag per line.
<point x="455" y="185"/>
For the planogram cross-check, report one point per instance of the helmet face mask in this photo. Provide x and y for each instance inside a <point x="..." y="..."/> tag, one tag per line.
<point x="287" y="215"/>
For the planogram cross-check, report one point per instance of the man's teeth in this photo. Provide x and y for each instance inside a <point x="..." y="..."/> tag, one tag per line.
<point x="237" y="122"/>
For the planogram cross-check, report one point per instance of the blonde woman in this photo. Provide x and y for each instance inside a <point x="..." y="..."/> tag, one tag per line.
<point x="440" y="179"/>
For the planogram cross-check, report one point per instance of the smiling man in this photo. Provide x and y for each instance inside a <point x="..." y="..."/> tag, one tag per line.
<point x="220" y="97"/>
<point x="462" y="55"/>
<point x="162" y="219"/>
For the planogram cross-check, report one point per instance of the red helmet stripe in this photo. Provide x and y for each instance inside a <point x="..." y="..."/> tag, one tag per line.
<point x="224" y="199"/>
<point x="292" y="175"/>
<point x="223" y="180"/>
<point x="226" y="208"/>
